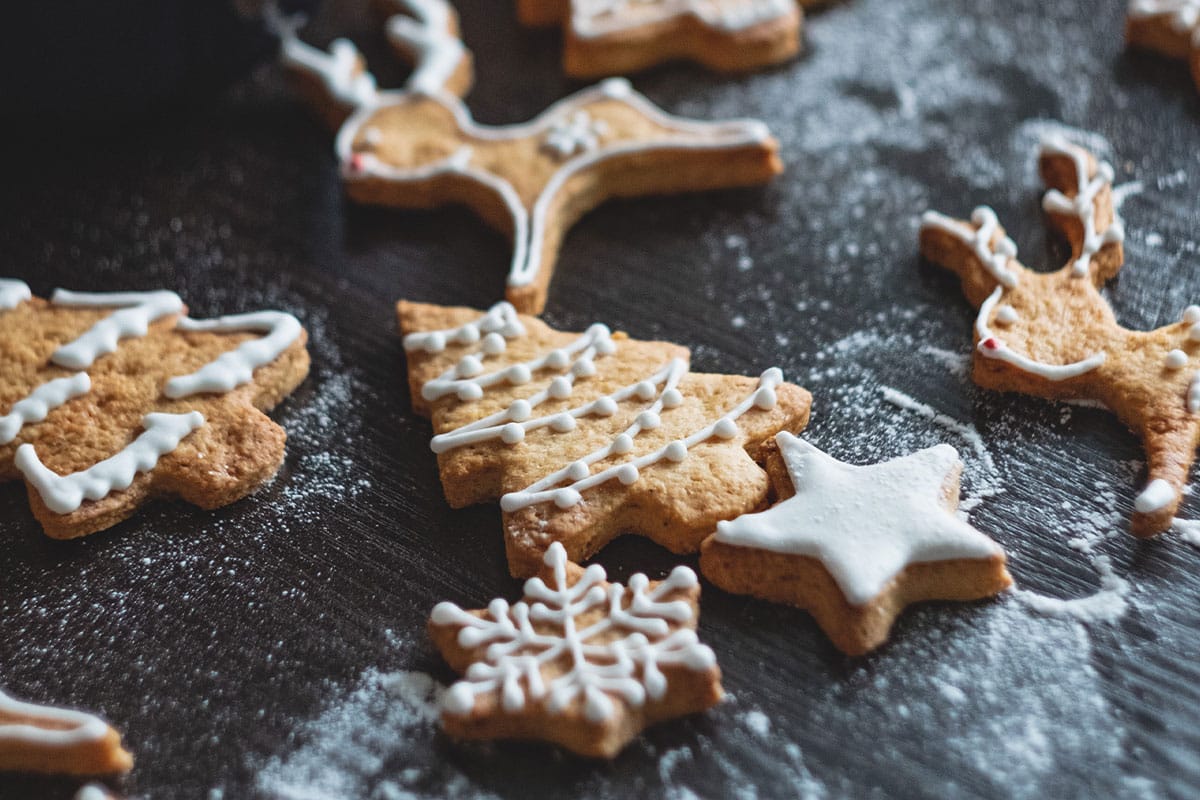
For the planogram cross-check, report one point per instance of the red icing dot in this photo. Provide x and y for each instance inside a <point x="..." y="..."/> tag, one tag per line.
<point x="357" y="162"/>
<point x="991" y="343"/>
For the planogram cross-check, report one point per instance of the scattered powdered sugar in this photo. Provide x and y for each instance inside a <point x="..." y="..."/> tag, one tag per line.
<point x="1107" y="605"/>
<point x="1188" y="530"/>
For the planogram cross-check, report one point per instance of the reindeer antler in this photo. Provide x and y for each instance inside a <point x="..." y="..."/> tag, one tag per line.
<point x="1063" y="340"/>
<point x="337" y="83"/>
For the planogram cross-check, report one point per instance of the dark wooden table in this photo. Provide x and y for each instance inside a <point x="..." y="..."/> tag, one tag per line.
<point x="252" y="651"/>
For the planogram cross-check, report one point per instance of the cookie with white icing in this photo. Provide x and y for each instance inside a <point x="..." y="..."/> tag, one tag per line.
<point x="583" y="437"/>
<point x="418" y="147"/>
<point x="855" y="545"/>
<point x="618" y="37"/>
<point x="1053" y="334"/>
<point x="110" y="399"/>
<point x="1169" y="27"/>
<point x="579" y="661"/>
<point x="36" y="738"/>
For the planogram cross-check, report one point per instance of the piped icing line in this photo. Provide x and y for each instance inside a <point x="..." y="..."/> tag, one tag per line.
<point x="63" y="727"/>
<point x="465" y="380"/>
<point x="12" y="293"/>
<point x="339" y="69"/>
<point x="134" y="313"/>
<point x="529" y="227"/>
<point x="236" y="367"/>
<point x="1184" y="14"/>
<point x="594" y="18"/>
<point x="501" y="319"/>
<point x="995" y="259"/>
<point x="547" y="489"/>
<point x="1193" y="394"/>
<point x="991" y="346"/>
<point x="620" y="654"/>
<point x="427" y="34"/>
<point x="64" y="494"/>
<point x="40" y="402"/>
<point x="1083" y="206"/>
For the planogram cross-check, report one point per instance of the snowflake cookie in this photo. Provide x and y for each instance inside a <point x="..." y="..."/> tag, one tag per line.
<point x="1054" y="335"/>
<point x="36" y="738"/>
<point x="583" y="437"/>
<point x="1170" y="27"/>
<point x="579" y="661"/>
<point x="108" y="399"/>
<point x="419" y="148"/>
<point x="855" y="545"/>
<point x="617" y="37"/>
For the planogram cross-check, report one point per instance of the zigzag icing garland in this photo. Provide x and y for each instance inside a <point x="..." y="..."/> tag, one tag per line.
<point x="468" y="381"/>
<point x="133" y="313"/>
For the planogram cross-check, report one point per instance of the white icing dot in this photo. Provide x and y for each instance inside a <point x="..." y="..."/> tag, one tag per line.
<point x="1191" y="315"/>
<point x="578" y="471"/>
<point x="604" y="407"/>
<point x="460" y="699"/>
<point x="725" y="428"/>
<point x="565" y="498"/>
<point x="520" y="410"/>
<point x="622" y="444"/>
<point x="557" y="359"/>
<point x="583" y="368"/>
<point x="605" y="346"/>
<point x="512" y="433"/>
<point x="435" y="343"/>
<point x="1194" y="332"/>
<point x="560" y="388"/>
<point x="1006" y="315"/>
<point x="468" y="367"/>
<point x="561" y="423"/>
<point x="672" y="398"/>
<point x="469" y="391"/>
<point x="676" y="451"/>
<point x="1176" y="359"/>
<point x="467" y="334"/>
<point x="645" y="390"/>
<point x="517" y="374"/>
<point x="627" y="474"/>
<point x="764" y="398"/>
<point x="648" y="420"/>
<point x="512" y="330"/>
<point x="493" y="344"/>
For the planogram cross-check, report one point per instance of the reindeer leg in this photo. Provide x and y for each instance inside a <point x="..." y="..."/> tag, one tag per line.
<point x="1170" y="441"/>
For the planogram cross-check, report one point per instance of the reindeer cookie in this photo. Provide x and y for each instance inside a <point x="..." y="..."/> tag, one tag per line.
<point x="583" y="437"/>
<point x="617" y="37"/>
<point x="1053" y="335"/>
<point x="855" y="545"/>
<point x="109" y="399"/>
<point x="1170" y="27"/>
<point x="37" y="738"/>
<point x="419" y="148"/>
<point x="579" y="661"/>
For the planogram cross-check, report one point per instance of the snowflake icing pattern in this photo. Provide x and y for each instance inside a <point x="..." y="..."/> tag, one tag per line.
<point x="617" y="655"/>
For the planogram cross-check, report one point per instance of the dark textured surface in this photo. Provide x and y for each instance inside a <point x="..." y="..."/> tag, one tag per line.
<point x="212" y="639"/>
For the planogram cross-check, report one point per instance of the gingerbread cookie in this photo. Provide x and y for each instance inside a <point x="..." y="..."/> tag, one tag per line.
<point x="1170" y="27"/>
<point x="855" y="545"/>
<point x="583" y="437"/>
<point x="1053" y="334"/>
<point x="109" y="399"/>
<point x="419" y="148"/>
<point x="617" y="37"/>
<point x="37" y="738"/>
<point x="579" y="661"/>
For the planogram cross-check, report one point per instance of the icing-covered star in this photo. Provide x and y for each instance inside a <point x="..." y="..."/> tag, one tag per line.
<point x="618" y="37"/>
<point x="1169" y="27"/>
<point x="854" y="545"/>
<point x="419" y="148"/>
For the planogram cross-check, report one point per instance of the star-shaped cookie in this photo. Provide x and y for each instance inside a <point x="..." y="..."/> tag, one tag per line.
<point x="579" y="661"/>
<point x="618" y="37"/>
<point x="1170" y="27"/>
<point x="583" y="437"/>
<point x="1052" y="334"/>
<point x="855" y="545"/>
<point x="36" y="738"/>
<point x="419" y="148"/>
